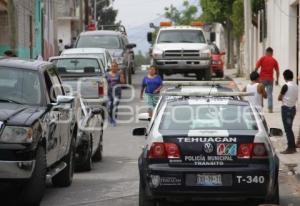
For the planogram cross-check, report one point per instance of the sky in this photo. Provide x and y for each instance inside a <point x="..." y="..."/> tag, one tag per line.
<point x="137" y="14"/>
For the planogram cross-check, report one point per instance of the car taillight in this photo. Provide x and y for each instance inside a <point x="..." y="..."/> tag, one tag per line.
<point x="259" y="150"/>
<point x="246" y="151"/>
<point x="100" y="89"/>
<point x="164" y="150"/>
<point x="172" y="150"/>
<point x="157" y="150"/>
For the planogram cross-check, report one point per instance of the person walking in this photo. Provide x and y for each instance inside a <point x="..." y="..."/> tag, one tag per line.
<point x="114" y="79"/>
<point x="257" y="88"/>
<point x="151" y="86"/>
<point x="289" y="97"/>
<point x="61" y="46"/>
<point x="298" y="138"/>
<point x="267" y="64"/>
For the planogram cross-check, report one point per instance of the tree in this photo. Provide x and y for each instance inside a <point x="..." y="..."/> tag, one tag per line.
<point x="184" y="17"/>
<point x="106" y="13"/>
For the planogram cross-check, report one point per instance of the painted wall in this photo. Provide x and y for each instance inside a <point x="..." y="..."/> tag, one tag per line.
<point x="282" y="32"/>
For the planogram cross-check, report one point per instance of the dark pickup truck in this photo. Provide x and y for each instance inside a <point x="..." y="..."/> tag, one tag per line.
<point x="38" y="128"/>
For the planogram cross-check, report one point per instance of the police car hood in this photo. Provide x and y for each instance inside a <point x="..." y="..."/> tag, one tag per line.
<point x="180" y="46"/>
<point x="19" y="115"/>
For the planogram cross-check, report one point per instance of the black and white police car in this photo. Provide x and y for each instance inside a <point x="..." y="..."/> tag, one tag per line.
<point x="208" y="145"/>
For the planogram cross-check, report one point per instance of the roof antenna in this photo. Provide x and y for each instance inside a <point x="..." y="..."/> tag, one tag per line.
<point x="212" y="86"/>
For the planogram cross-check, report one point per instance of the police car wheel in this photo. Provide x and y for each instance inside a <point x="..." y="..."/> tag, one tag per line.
<point x="143" y="199"/>
<point x="275" y="199"/>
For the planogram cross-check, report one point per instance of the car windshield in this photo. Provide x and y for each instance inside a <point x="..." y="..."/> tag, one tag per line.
<point x="99" y="55"/>
<point x="182" y="36"/>
<point x="20" y="86"/>
<point x="77" y="66"/>
<point x="100" y="41"/>
<point x="208" y="117"/>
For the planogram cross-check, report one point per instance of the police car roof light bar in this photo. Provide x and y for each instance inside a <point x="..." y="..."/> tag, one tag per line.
<point x="198" y="83"/>
<point x="207" y="94"/>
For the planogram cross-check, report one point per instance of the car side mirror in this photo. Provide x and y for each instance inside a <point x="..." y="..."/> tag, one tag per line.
<point x="149" y="37"/>
<point x="64" y="99"/>
<point x="96" y="111"/>
<point x="276" y="132"/>
<point x="144" y="117"/>
<point x="130" y="46"/>
<point x="139" y="132"/>
<point x="212" y="36"/>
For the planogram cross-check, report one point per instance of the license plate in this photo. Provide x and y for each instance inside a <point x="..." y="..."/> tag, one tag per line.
<point x="209" y="180"/>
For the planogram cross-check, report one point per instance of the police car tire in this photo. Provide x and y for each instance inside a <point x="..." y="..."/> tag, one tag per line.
<point x="143" y="199"/>
<point x="65" y="177"/>
<point x="275" y="199"/>
<point x="33" y="190"/>
<point x="98" y="156"/>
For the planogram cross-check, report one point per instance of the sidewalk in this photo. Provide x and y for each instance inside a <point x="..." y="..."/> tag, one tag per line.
<point x="292" y="162"/>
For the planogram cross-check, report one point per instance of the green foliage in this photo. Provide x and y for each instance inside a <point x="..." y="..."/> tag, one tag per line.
<point x="184" y="17"/>
<point x="257" y="5"/>
<point x="237" y="18"/>
<point x="216" y="10"/>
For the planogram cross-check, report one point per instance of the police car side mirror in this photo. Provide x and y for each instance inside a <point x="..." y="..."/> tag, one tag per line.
<point x="139" y="132"/>
<point x="276" y="132"/>
<point x="144" y="117"/>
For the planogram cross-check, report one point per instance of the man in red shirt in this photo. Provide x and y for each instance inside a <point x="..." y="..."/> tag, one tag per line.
<point x="267" y="64"/>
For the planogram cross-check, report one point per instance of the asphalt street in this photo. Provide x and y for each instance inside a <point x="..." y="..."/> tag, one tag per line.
<point x="114" y="181"/>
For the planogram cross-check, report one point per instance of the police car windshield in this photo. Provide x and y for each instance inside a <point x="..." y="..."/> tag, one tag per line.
<point x="208" y="117"/>
<point x="181" y="36"/>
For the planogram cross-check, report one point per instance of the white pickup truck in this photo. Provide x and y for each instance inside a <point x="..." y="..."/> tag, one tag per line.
<point x="181" y="49"/>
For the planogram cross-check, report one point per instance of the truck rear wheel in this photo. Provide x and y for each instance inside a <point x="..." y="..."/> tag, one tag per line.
<point x="65" y="177"/>
<point x="207" y="74"/>
<point x="33" y="190"/>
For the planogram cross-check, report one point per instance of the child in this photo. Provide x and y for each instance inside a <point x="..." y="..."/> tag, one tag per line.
<point x="257" y="88"/>
<point x="151" y="87"/>
<point x="289" y="97"/>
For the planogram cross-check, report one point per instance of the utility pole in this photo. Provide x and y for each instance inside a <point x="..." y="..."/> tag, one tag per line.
<point x="12" y="24"/>
<point x="247" y="52"/>
<point x="86" y="12"/>
<point x="81" y="28"/>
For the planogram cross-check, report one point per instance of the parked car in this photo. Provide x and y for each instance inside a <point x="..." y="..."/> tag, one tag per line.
<point x="38" y="129"/>
<point x="217" y="61"/>
<point x="208" y="145"/>
<point x="116" y="43"/>
<point x="102" y="54"/>
<point x="86" y="78"/>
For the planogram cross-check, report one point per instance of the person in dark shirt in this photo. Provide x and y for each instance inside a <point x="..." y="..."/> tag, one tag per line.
<point x="267" y="64"/>
<point x="151" y="86"/>
<point x="289" y="98"/>
<point x="115" y="79"/>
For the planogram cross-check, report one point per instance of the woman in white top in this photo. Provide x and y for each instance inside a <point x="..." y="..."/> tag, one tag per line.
<point x="257" y="88"/>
